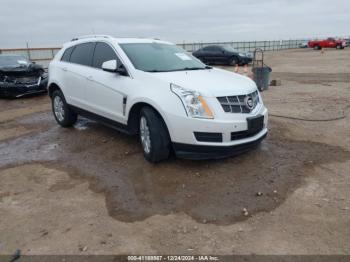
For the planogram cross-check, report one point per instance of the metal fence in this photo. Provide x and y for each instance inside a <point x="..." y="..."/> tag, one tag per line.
<point x="43" y="56"/>
<point x="249" y="46"/>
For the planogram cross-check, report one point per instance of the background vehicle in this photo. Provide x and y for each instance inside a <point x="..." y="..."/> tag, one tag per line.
<point x="159" y="91"/>
<point x="216" y="54"/>
<point x="328" y="43"/>
<point x="19" y="77"/>
<point x="303" y="45"/>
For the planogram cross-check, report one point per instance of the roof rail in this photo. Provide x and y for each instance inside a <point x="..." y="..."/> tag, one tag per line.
<point x="90" y="36"/>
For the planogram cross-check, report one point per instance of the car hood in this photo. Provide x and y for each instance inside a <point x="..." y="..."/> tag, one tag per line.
<point x="212" y="83"/>
<point x="31" y="69"/>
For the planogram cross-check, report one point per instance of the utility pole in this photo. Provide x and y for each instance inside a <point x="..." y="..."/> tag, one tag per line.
<point x="28" y="52"/>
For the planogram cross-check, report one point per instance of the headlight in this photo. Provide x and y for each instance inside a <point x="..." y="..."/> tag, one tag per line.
<point x="193" y="102"/>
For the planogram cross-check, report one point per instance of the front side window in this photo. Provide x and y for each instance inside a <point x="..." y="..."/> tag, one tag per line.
<point x="82" y="54"/>
<point x="159" y="57"/>
<point x="103" y="52"/>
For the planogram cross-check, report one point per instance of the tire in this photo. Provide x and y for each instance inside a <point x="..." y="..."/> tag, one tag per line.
<point x="152" y="127"/>
<point x="339" y="47"/>
<point x="317" y="47"/>
<point x="63" y="114"/>
<point x="233" y="61"/>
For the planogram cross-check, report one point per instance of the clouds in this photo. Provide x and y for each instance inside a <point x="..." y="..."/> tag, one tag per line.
<point x="44" y="23"/>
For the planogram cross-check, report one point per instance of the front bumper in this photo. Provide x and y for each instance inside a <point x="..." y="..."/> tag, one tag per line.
<point x="246" y="60"/>
<point x="232" y="129"/>
<point x="13" y="90"/>
<point x="198" y="152"/>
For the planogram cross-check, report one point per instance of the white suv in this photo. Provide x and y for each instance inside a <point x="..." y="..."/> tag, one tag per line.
<point x="157" y="90"/>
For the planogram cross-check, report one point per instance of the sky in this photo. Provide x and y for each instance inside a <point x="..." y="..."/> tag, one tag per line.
<point x="49" y="23"/>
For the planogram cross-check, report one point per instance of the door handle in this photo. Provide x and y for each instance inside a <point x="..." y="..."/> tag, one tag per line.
<point x="64" y="68"/>
<point x="90" y="78"/>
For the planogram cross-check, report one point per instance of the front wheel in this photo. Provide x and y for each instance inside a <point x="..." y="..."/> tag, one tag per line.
<point x="64" y="115"/>
<point x="154" y="136"/>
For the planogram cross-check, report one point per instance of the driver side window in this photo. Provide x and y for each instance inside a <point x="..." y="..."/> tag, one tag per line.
<point x="103" y="52"/>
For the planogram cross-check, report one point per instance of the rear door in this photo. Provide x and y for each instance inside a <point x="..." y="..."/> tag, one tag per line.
<point x="106" y="91"/>
<point x="76" y="73"/>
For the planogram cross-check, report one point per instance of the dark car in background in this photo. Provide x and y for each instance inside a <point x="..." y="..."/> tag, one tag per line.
<point x="216" y="54"/>
<point x="20" y="77"/>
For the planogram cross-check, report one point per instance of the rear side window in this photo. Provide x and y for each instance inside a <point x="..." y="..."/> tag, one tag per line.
<point x="67" y="53"/>
<point x="82" y="54"/>
<point x="103" y="52"/>
<point x="216" y="48"/>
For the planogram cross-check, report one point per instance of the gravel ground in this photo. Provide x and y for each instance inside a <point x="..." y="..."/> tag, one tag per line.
<point x="88" y="190"/>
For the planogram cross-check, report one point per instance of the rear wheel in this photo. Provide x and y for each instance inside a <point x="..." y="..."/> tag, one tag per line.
<point x="64" y="115"/>
<point x="339" y="47"/>
<point x="317" y="47"/>
<point x="233" y="61"/>
<point x="154" y="136"/>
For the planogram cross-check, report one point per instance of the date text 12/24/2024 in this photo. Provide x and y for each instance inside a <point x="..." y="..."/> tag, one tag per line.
<point x="173" y="258"/>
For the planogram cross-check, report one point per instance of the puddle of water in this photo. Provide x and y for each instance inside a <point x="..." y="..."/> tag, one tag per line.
<point x="83" y="123"/>
<point x="209" y="191"/>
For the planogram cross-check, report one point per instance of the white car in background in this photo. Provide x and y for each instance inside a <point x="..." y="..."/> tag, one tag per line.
<point x="159" y="91"/>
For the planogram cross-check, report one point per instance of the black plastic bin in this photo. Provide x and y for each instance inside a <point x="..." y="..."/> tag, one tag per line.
<point x="261" y="76"/>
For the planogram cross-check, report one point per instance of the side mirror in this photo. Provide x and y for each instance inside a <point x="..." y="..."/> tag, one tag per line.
<point x="110" y="66"/>
<point x="121" y="70"/>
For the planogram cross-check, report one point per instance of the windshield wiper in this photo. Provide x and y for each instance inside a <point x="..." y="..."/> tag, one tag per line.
<point x="193" y="68"/>
<point x="156" y="71"/>
<point x="180" y="69"/>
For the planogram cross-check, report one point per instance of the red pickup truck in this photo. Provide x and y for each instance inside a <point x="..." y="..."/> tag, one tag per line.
<point x="328" y="43"/>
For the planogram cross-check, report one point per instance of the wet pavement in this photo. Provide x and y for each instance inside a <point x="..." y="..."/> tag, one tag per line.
<point x="208" y="191"/>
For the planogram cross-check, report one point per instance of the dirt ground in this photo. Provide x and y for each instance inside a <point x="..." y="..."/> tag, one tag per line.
<point x="88" y="190"/>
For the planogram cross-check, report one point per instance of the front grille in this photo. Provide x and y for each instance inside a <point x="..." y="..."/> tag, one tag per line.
<point x="244" y="134"/>
<point x="208" y="137"/>
<point x="27" y="79"/>
<point x="239" y="104"/>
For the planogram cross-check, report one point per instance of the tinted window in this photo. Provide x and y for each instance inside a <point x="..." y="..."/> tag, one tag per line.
<point x="103" y="53"/>
<point x="67" y="53"/>
<point x="216" y="48"/>
<point x="211" y="48"/>
<point x="82" y="54"/>
<point x="207" y="48"/>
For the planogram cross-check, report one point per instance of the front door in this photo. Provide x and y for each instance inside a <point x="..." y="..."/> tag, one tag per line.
<point x="106" y="91"/>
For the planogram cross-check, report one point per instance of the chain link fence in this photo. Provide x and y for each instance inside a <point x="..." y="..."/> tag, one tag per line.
<point x="43" y="56"/>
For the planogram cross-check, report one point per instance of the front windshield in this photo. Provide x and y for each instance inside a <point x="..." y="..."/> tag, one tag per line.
<point x="159" y="57"/>
<point x="12" y="61"/>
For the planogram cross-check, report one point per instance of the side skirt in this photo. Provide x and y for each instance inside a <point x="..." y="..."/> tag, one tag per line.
<point x="103" y="120"/>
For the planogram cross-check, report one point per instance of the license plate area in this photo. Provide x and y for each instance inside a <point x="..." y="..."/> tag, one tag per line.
<point x="255" y="124"/>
